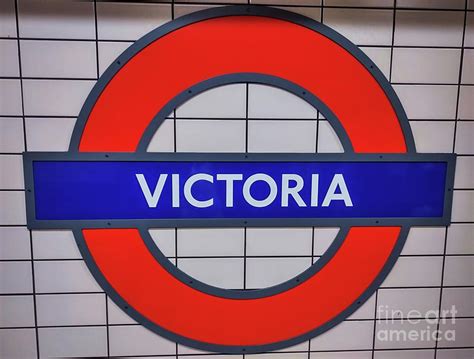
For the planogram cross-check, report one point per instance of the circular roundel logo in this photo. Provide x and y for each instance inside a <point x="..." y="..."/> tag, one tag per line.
<point x="110" y="191"/>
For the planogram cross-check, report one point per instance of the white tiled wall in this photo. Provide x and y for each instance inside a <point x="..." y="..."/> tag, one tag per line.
<point x="51" y="53"/>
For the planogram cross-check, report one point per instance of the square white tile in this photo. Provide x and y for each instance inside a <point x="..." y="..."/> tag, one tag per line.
<point x="18" y="343"/>
<point x="15" y="277"/>
<point x="57" y="244"/>
<point x="459" y="239"/>
<point x="285" y="2"/>
<point x="64" y="276"/>
<point x="349" y="335"/>
<point x="362" y="27"/>
<point x="413" y="272"/>
<point x="460" y="333"/>
<point x="420" y="28"/>
<point x="163" y="139"/>
<point x="210" y="242"/>
<point x="412" y="65"/>
<point x="164" y="239"/>
<point x="282" y="136"/>
<point x="424" y="240"/>
<point x="311" y="12"/>
<point x="323" y="238"/>
<point x="56" y="19"/>
<point x="428" y="101"/>
<point x="66" y="59"/>
<point x="13" y="210"/>
<point x="16" y="311"/>
<point x="210" y="135"/>
<point x="9" y="55"/>
<point x="458" y="271"/>
<point x="399" y="334"/>
<point x="380" y="56"/>
<point x="453" y="353"/>
<point x="468" y="67"/>
<point x="10" y="97"/>
<point x="49" y="134"/>
<point x="432" y="4"/>
<point x="70" y="309"/>
<point x="137" y="340"/>
<point x="406" y="303"/>
<point x="73" y="342"/>
<point x="109" y="51"/>
<point x="267" y="272"/>
<point x="404" y="354"/>
<point x="366" y="310"/>
<point x="463" y="206"/>
<point x="14" y="243"/>
<point x="458" y="302"/>
<point x="466" y="106"/>
<point x="129" y="21"/>
<point x="219" y="272"/>
<point x="11" y="172"/>
<point x="116" y="315"/>
<point x="464" y="138"/>
<point x="55" y="97"/>
<point x="469" y="36"/>
<point x="433" y="136"/>
<point x="11" y="135"/>
<point x="328" y="141"/>
<point x="279" y="241"/>
<point x="272" y="102"/>
<point x="182" y="9"/>
<point x="7" y="18"/>
<point x="220" y="102"/>
<point x="464" y="176"/>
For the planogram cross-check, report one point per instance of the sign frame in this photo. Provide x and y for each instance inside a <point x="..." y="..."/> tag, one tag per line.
<point x="34" y="223"/>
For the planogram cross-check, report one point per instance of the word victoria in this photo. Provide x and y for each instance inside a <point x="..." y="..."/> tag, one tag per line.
<point x="291" y="185"/>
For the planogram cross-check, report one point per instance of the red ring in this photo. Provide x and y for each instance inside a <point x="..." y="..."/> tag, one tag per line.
<point x="186" y="57"/>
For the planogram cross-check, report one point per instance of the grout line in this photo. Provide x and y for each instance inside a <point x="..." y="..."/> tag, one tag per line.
<point x="16" y="294"/>
<point x="312" y="262"/>
<point x="246" y="117"/>
<point x="33" y="281"/>
<point x="316" y="151"/>
<point x="96" y="32"/>
<point x="175" y="150"/>
<point x="53" y="78"/>
<point x="302" y="5"/>
<point x="237" y="118"/>
<point x="246" y="150"/>
<point x="262" y="256"/>
<point x="394" y="23"/>
<point x="132" y="41"/>
<point x="386" y="320"/>
<point x="40" y="78"/>
<point x="453" y="150"/>
<point x="374" y="327"/>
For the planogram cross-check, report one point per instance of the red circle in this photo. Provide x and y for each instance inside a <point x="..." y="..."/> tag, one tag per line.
<point x="186" y="57"/>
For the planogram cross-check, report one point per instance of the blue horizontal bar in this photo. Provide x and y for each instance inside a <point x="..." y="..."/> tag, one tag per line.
<point x="111" y="190"/>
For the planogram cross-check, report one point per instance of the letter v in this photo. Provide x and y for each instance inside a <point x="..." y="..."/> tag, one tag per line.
<point x="152" y="199"/>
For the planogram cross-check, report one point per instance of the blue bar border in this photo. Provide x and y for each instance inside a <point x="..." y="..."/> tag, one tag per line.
<point x="33" y="223"/>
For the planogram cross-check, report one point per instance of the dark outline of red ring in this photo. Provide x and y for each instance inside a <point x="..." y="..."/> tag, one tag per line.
<point x="156" y="122"/>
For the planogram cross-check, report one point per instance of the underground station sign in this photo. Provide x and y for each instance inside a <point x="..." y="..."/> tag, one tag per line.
<point x="109" y="190"/>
